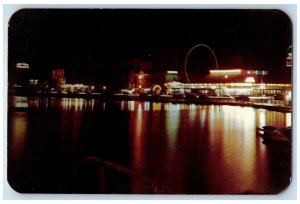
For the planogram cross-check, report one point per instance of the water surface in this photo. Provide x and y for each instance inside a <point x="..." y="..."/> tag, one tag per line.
<point x="184" y="148"/>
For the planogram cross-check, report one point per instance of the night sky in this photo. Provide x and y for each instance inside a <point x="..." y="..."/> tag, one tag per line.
<point x="101" y="45"/>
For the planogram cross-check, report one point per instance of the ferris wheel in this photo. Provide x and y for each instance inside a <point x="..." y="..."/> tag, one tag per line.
<point x="187" y="57"/>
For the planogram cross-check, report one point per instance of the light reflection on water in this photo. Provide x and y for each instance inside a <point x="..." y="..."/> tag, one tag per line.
<point x="288" y="120"/>
<point x="21" y="102"/>
<point x="227" y="134"/>
<point x="19" y="128"/>
<point x="196" y="148"/>
<point x="172" y="125"/>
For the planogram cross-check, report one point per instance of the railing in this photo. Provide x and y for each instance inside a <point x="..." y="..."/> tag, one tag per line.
<point x="99" y="182"/>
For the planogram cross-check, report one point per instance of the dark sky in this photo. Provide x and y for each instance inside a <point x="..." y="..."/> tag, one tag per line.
<point x="102" y="44"/>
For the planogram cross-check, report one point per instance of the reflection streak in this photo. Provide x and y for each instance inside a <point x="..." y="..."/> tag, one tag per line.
<point x="19" y="129"/>
<point x="172" y="126"/>
<point x="219" y="140"/>
<point x="288" y="120"/>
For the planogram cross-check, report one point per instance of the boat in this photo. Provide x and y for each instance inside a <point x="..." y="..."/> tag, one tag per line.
<point x="273" y="135"/>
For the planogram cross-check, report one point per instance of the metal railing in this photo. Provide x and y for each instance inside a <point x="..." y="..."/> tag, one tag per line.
<point x="153" y="187"/>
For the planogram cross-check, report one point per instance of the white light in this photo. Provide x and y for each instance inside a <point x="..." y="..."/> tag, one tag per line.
<point x="290" y="56"/>
<point x="172" y="72"/>
<point x="262" y="86"/>
<point x="22" y="66"/>
<point x="250" y="80"/>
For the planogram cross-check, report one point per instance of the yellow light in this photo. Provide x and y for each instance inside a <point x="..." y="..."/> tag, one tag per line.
<point x="262" y="86"/>
<point x="22" y="66"/>
<point x="226" y="72"/>
<point x="172" y="72"/>
<point x="250" y="80"/>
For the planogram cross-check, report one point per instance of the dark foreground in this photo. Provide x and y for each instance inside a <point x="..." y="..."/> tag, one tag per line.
<point x="79" y="146"/>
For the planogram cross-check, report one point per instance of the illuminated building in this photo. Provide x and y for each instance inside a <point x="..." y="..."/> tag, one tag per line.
<point x="235" y="82"/>
<point x="18" y="80"/>
<point x="58" y="77"/>
<point x="171" y="76"/>
<point x="139" y="81"/>
<point x="74" y="88"/>
<point x="21" y="77"/>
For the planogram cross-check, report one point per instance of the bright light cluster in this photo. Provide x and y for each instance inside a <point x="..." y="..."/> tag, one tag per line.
<point x="250" y="80"/>
<point x="226" y="72"/>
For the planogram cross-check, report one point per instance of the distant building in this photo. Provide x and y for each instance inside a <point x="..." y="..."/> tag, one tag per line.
<point x="21" y="77"/>
<point x="18" y="79"/>
<point x="139" y="81"/>
<point x="58" y="77"/>
<point x="235" y="76"/>
<point x="235" y="82"/>
<point x="171" y="76"/>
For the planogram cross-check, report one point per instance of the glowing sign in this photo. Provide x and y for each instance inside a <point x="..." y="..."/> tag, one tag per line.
<point x="22" y="66"/>
<point x="289" y="60"/>
<point x="250" y="80"/>
<point x="257" y="72"/>
<point x="226" y="72"/>
<point x="290" y="56"/>
<point x="172" y="72"/>
<point x="261" y="72"/>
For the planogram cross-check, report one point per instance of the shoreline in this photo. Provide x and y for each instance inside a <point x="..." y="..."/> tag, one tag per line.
<point x="278" y="108"/>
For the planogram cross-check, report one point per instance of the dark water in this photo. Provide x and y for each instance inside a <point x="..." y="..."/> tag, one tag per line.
<point x="186" y="149"/>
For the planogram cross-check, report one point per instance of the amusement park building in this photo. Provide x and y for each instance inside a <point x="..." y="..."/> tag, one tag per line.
<point x="235" y="82"/>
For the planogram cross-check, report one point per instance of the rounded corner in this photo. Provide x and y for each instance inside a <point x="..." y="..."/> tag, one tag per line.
<point x="284" y="14"/>
<point x="16" y="15"/>
<point x="13" y="187"/>
<point x="285" y="187"/>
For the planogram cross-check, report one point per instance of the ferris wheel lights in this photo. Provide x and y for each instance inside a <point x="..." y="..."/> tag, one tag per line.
<point x="187" y="56"/>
